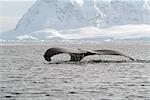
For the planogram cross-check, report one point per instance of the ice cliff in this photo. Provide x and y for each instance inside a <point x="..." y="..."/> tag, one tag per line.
<point x="63" y="15"/>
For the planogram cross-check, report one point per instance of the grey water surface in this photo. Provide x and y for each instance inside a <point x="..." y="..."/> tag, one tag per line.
<point x="25" y="75"/>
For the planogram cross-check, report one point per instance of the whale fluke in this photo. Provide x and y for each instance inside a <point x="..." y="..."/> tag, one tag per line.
<point x="78" y="54"/>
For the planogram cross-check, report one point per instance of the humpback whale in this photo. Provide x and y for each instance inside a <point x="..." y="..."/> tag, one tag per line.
<point x="79" y="54"/>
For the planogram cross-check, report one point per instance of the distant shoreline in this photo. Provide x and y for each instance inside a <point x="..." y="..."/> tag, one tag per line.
<point x="75" y="43"/>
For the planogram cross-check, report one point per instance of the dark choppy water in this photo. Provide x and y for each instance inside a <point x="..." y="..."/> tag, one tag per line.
<point x="24" y="75"/>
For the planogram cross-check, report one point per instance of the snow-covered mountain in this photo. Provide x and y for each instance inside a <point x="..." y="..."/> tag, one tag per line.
<point x="48" y="19"/>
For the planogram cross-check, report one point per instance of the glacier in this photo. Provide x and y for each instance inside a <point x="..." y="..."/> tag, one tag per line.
<point x="80" y="19"/>
<point x="115" y="32"/>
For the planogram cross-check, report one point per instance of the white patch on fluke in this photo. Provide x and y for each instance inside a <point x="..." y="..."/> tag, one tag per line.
<point x="78" y="3"/>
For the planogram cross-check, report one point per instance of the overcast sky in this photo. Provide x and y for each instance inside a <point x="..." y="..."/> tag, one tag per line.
<point x="11" y="11"/>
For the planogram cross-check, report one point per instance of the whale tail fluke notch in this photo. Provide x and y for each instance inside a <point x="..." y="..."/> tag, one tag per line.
<point x="76" y="57"/>
<point x="79" y="54"/>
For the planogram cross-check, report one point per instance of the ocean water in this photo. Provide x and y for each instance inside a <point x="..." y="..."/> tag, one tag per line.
<point x="25" y="75"/>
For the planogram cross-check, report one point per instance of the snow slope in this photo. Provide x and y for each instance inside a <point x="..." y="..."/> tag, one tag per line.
<point x="66" y="14"/>
<point x="115" y="32"/>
